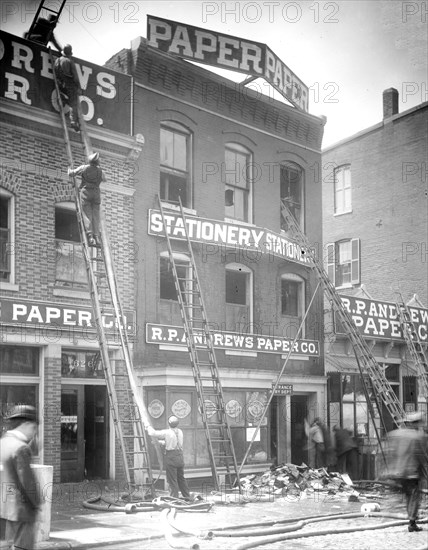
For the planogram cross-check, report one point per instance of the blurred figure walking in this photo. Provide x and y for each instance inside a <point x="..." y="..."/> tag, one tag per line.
<point x="408" y="462"/>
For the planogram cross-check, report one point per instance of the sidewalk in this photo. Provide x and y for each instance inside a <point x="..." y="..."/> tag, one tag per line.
<point x="75" y="527"/>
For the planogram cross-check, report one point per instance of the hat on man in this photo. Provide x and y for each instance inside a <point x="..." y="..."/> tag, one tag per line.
<point x="26" y="412"/>
<point x="413" y="417"/>
<point x="94" y="158"/>
<point x="67" y="50"/>
<point x="173" y="421"/>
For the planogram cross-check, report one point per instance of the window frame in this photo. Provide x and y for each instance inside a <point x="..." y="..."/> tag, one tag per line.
<point x="164" y="256"/>
<point x="9" y="283"/>
<point x="300" y="281"/>
<point x="247" y="191"/>
<point x="298" y="169"/>
<point x="233" y="266"/>
<point x="66" y="284"/>
<point x="340" y="206"/>
<point x="332" y="261"/>
<point x="165" y="170"/>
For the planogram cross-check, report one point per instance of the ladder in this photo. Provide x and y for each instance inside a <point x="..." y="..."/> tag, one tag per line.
<point x="415" y="346"/>
<point x="203" y="360"/>
<point x="365" y="359"/>
<point x="55" y="12"/>
<point x="129" y="413"/>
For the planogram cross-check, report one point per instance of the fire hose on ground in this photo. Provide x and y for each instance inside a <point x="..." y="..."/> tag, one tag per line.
<point x="106" y="504"/>
<point x="278" y="531"/>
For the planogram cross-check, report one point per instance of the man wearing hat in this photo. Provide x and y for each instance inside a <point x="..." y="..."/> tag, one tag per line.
<point x="408" y="462"/>
<point x="172" y="438"/>
<point x="90" y="196"/>
<point x="20" y="496"/>
<point x="69" y="84"/>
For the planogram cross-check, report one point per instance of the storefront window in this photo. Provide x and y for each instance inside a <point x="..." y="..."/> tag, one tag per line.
<point x="81" y="364"/>
<point x="21" y="360"/>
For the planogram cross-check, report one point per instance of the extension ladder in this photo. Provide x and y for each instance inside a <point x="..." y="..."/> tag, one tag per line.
<point x="56" y="12"/>
<point x="129" y="413"/>
<point x="415" y="347"/>
<point x="364" y="357"/>
<point x="203" y="360"/>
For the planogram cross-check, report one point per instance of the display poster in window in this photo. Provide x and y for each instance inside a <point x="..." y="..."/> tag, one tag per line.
<point x="233" y="409"/>
<point x="210" y="408"/>
<point x="250" y="434"/>
<point x="181" y="408"/>
<point x="156" y="408"/>
<point x="256" y="404"/>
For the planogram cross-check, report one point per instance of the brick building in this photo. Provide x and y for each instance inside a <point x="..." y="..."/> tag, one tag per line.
<point x="230" y="155"/>
<point x="48" y="346"/>
<point x="375" y="235"/>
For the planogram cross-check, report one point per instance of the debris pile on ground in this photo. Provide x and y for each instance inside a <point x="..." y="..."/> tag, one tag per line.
<point x="298" y="481"/>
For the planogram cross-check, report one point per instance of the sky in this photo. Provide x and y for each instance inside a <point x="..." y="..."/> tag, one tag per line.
<point x="347" y="51"/>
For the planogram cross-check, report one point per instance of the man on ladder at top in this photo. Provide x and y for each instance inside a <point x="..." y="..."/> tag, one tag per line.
<point x="68" y="82"/>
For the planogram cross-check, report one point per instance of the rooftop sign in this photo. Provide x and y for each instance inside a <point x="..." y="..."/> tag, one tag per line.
<point x="227" y="52"/>
<point x="26" y="77"/>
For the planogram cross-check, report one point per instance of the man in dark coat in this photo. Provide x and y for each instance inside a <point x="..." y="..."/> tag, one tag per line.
<point x="172" y="438"/>
<point x="346" y="451"/>
<point x="90" y="195"/>
<point x="69" y="85"/>
<point x="408" y="462"/>
<point x="43" y="31"/>
<point x="20" y="495"/>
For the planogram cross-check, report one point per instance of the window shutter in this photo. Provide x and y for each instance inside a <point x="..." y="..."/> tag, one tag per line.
<point x="331" y="262"/>
<point x="355" y="261"/>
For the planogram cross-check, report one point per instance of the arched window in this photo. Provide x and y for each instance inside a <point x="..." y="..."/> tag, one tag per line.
<point x="167" y="290"/>
<point x="175" y="163"/>
<point x="239" y="295"/>
<point x="237" y="177"/>
<point x="292" y="193"/>
<point x="292" y="295"/>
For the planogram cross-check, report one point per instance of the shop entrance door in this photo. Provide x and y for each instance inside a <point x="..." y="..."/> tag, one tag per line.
<point x="299" y="441"/>
<point x="84" y="433"/>
<point x="72" y="436"/>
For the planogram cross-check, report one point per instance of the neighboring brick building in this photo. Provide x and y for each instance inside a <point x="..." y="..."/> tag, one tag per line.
<point x="47" y="351"/>
<point x="375" y="244"/>
<point x="230" y="155"/>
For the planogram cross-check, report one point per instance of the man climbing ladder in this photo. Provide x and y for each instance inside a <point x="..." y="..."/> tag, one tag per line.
<point x="90" y="196"/>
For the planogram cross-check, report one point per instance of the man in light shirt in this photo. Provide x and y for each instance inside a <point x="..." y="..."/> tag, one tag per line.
<point x="172" y="438"/>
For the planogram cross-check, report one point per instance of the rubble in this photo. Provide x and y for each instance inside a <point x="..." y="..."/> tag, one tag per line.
<point x="290" y="480"/>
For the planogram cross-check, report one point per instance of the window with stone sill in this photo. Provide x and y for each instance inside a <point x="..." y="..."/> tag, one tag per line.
<point x="175" y="162"/>
<point x="6" y="236"/>
<point x="342" y="190"/>
<point x="343" y="262"/>
<point x="70" y="263"/>
<point x="237" y="178"/>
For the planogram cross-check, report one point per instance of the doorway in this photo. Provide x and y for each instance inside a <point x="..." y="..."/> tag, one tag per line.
<point x="84" y="433"/>
<point x="299" y="440"/>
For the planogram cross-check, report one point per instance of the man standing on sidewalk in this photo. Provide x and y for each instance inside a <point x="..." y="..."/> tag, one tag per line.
<point x="20" y="494"/>
<point x="174" y="460"/>
<point x="408" y="463"/>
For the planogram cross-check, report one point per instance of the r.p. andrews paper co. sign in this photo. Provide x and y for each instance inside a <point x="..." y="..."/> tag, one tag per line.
<point x="175" y="336"/>
<point x="227" y="234"/>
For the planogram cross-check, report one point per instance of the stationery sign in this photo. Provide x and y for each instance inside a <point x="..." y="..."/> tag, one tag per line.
<point x="376" y="319"/>
<point x="227" y="52"/>
<point x="255" y="240"/>
<point x="171" y="335"/>
<point x="26" y="77"/>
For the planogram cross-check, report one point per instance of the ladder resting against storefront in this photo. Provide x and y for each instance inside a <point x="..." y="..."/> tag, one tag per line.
<point x="127" y="407"/>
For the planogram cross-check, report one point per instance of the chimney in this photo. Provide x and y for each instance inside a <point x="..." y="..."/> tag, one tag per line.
<point x="390" y="102"/>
